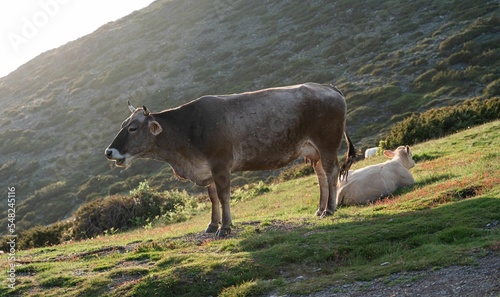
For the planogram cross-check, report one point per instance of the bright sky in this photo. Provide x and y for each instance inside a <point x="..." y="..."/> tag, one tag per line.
<point x="30" y="27"/>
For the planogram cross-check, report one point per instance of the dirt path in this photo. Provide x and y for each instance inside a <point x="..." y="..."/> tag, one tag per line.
<point x="482" y="280"/>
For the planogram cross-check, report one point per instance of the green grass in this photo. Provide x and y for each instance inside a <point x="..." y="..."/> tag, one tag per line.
<point x="439" y="221"/>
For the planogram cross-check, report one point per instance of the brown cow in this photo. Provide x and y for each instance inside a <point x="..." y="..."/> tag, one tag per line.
<point x="207" y="139"/>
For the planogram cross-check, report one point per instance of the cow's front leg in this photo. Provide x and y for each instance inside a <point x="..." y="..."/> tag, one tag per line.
<point x="222" y="179"/>
<point x="323" y="208"/>
<point x="215" y="219"/>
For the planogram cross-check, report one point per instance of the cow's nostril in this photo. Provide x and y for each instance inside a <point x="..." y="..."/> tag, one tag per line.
<point x="109" y="153"/>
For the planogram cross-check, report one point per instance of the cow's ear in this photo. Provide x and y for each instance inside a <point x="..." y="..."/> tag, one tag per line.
<point x="408" y="149"/>
<point x="155" y="127"/>
<point x="389" y="154"/>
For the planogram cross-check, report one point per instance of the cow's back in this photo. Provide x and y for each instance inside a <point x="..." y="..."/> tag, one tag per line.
<point x="268" y="128"/>
<point x="265" y="129"/>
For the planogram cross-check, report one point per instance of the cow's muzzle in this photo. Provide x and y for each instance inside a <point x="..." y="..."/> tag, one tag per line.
<point x="114" y="155"/>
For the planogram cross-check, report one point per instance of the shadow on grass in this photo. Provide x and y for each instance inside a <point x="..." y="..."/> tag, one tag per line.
<point x="414" y="240"/>
<point x="431" y="180"/>
<point x="263" y="257"/>
<point x="418" y="158"/>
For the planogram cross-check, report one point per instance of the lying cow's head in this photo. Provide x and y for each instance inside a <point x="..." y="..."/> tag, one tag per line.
<point x="404" y="154"/>
<point x="136" y="137"/>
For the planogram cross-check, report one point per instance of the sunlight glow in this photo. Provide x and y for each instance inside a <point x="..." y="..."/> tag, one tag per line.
<point x="30" y="27"/>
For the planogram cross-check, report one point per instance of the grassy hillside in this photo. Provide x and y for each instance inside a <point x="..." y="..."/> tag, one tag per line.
<point x="60" y="110"/>
<point x="278" y="245"/>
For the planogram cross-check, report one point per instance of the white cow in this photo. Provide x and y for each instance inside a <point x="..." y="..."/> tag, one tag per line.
<point x="370" y="183"/>
<point x="371" y="152"/>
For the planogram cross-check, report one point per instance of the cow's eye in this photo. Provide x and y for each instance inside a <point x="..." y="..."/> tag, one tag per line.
<point x="132" y="129"/>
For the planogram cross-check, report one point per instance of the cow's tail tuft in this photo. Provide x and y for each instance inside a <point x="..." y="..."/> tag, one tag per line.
<point x="349" y="158"/>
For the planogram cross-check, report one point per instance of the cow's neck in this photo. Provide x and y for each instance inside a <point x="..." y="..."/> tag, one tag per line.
<point x="173" y="151"/>
<point x="174" y="148"/>
<point x="402" y="161"/>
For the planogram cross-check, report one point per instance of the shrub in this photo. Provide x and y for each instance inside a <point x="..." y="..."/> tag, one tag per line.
<point x="46" y="201"/>
<point x="249" y="191"/>
<point x="486" y="58"/>
<point x="475" y="29"/>
<point x="94" y="185"/>
<point x="40" y="236"/>
<point x="439" y="122"/>
<point x="6" y="169"/>
<point x="460" y="57"/>
<point x="493" y="89"/>
<point x="402" y="103"/>
<point x="423" y="81"/>
<point x="447" y="77"/>
<point x="374" y="95"/>
<point x="366" y="69"/>
<point x="473" y="46"/>
<point x="384" y="93"/>
<point x="119" y="212"/>
<point x="362" y="112"/>
<point x="296" y="171"/>
<point x="117" y="188"/>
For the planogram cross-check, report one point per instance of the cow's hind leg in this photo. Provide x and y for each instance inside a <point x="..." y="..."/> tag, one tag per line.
<point x="215" y="218"/>
<point x="332" y="169"/>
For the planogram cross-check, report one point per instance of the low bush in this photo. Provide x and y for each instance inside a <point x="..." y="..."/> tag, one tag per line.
<point x="455" y="76"/>
<point x="119" y="212"/>
<point x="481" y="25"/>
<point x="376" y="95"/>
<point x="423" y="81"/>
<point x="460" y="57"/>
<point x="402" y="103"/>
<point x="439" y="122"/>
<point x="492" y="89"/>
<point x="249" y="191"/>
<point x="296" y="171"/>
<point x="40" y="236"/>
<point x="44" y="201"/>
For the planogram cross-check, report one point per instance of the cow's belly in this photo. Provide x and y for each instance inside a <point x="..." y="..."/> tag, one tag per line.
<point x="268" y="163"/>
<point x="272" y="157"/>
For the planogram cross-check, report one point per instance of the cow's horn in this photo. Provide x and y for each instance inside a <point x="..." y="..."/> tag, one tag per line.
<point x="146" y="110"/>
<point x="132" y="109"/>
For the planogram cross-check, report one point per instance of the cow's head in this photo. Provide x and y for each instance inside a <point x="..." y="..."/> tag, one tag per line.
<point x="136" y="137"/>
<point x="404" y="154"/>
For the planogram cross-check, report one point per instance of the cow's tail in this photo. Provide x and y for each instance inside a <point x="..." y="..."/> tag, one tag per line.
<point x="349" y="158"/>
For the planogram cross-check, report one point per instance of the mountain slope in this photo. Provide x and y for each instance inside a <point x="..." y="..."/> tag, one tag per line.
<point x="61" y="109"/>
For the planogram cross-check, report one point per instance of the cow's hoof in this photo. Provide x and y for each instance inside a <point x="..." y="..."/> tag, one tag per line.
<point x="211" y="229"/>
<point x="326" y="213"/>
<point x="319" y="213"/>
<point x="222" y="232"/>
